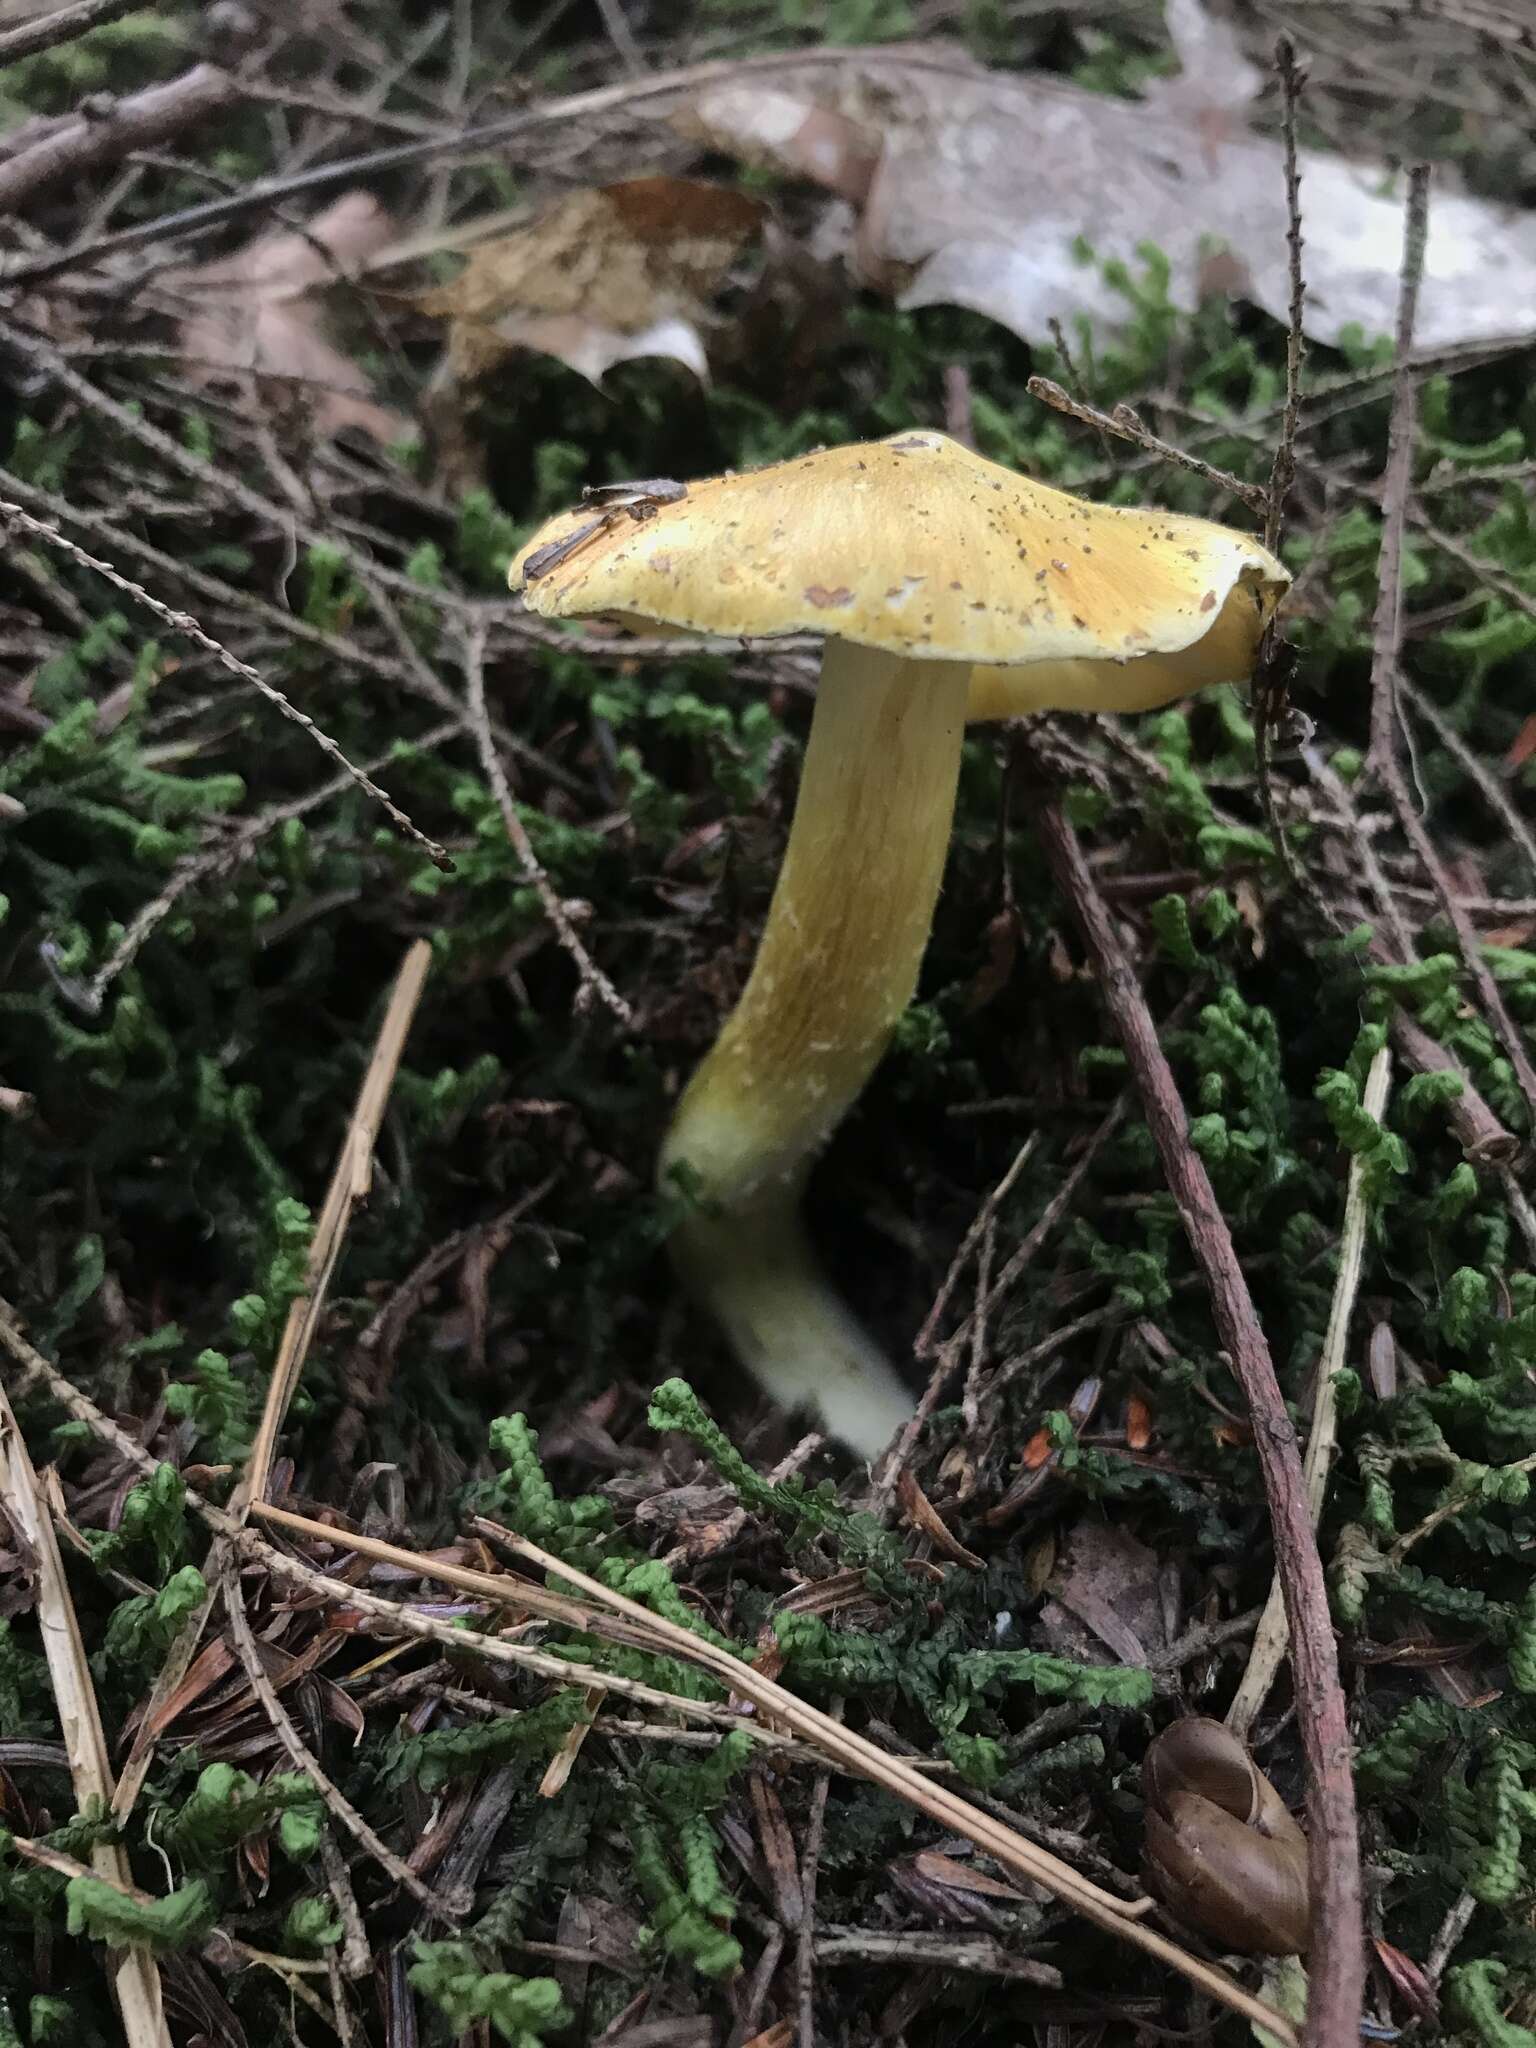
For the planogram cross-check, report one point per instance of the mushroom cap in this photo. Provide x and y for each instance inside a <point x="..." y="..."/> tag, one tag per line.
<point x="919" y="547"/>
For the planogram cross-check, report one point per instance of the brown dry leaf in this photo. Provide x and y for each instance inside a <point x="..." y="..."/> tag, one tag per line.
<point x="938" y="1868"/>
<point x="1105" y="1592"/>
<point x="259" y="312"/>
<point x="985" y="184"/>
<point x="922" y="1514"/>
<point x="607" y="274"/>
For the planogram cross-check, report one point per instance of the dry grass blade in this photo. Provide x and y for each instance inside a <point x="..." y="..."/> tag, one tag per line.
<point x="1273" y="1634"/>
<point x="350" y="1184"/>
<point x="135" y="1977"/>
<point x="1338" y="1971"/>
<point x="949" y="1809"/>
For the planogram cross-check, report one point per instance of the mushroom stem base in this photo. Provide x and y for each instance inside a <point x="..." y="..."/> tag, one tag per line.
<point x="837" y="965"/>
<point x="788" y="1325"/>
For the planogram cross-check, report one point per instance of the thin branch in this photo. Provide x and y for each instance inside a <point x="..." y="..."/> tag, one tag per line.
<point x="215" y="861"/>
<point x="947" y="1355"/>
<point x="1283" y="470"/>
<point x="592" y="980"/>
<point x="335" y="1800"/>
<point x="1492" y="791"/>
<point x="1269" y="1644"/>
<point x="1125" y="423"/>
<point x="185" y="624"/>
<point x="1447" y="1511"/>
<point x="75" y="147"/>
<point x="1336" y="1963"/>
<point x="810" y="1863"/>
<point x="569" y="114"/>
<point x="1402" y="427"/>
<point x="61" y="26"/>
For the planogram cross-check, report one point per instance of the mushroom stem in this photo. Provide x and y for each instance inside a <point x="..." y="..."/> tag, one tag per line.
<point x="837" y="966"/>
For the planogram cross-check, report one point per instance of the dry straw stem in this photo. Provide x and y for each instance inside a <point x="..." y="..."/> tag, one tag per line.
<point x="1337" y="1964"/>
<point x="184" y="623"/>
<point x="349" y="1186"/>
<point x="351" y="1182"/>
<point x="593" y="981"/>
<point x="1269" y="1644"/>
<point x="948" y="1809"/>
<point x="135" y="1976"/>
<point x="848" y="1752"/>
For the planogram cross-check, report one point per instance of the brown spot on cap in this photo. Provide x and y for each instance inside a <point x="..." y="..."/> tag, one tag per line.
<point x="1208" y="602"/>
<point x="828" y="600"/>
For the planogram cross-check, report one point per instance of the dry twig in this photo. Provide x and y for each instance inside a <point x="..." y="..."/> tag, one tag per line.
<point x="1269" y="1644"/>
<point x="1402" y="426"/>
<point x="335" y="1800"/>
<point x="29" y="38"/>
<point x="90" y="141"/>
<point x="592" y="980"/>
<point x="1337" y="1975"/>
<point x="184" y="623"/>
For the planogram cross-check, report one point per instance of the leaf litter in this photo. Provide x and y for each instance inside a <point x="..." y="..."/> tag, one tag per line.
<point x="1030" y="200"/>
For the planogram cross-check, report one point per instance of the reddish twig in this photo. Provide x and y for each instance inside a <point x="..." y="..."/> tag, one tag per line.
<point x="1336" y="1962"/>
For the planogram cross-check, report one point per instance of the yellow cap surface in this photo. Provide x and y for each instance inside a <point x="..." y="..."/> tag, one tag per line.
<point x="918" y="546"/>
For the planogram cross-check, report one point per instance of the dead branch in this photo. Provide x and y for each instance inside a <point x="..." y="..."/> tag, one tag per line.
<point x="61" y="26"/>
<point x="106" y="130"/>
<point x="1336" y="1963"/>
<point x="591" y="980"/>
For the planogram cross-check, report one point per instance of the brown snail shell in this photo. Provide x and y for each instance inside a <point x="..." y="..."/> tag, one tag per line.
<point x="1222" y="1850"/>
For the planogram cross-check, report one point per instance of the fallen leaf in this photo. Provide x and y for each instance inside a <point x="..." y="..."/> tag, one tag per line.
<point x="938" y="1868"/>
<point x="1106" y="1586"/>
<point x="1408" y="1980"/>
<point x="989" y="187"/>
<point x="1138" y="1422"/>
<point x="606" y="274"/>
<point x="1523" y="745"/>
<point x="259" y="312"/>
<point x="1381" y="1361"/>
<point x="922" y="1514"/>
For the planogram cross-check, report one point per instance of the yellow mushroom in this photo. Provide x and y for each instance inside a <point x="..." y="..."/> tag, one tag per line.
<point x="949" y="590"/>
